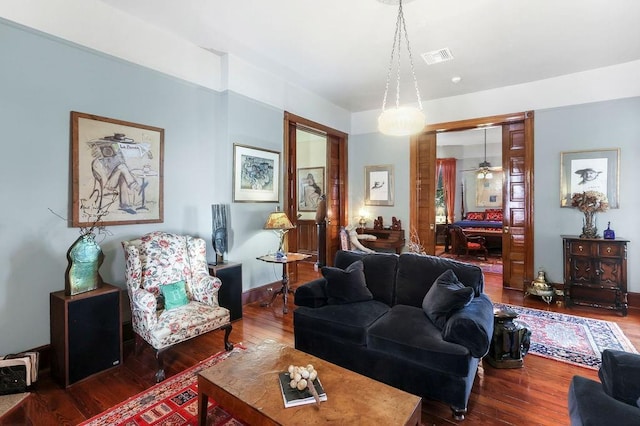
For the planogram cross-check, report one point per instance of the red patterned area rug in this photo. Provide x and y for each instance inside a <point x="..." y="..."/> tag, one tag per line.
<point x="568" y="338"/>
<point x="493" y="264"/>
<point x="173" y="402"/>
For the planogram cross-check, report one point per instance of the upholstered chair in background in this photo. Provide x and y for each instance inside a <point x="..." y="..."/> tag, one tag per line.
<point x="462" y="243"/>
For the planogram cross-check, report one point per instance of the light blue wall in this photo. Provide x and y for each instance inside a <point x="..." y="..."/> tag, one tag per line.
<point x="376" y="149"/>
<point x="610" y="124"/>
<point x="42" y="79"/>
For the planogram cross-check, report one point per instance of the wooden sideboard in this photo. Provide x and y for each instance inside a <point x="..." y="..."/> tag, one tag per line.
<point x="387" y="239"/>
<point x="595" y="272"/>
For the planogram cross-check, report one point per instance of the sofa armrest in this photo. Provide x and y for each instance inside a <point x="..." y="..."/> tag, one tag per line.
<point x="620" y="375"/>
<point x="589" y="405"/>
<point x="472" y="326"/>
<point x="312" y="294"/>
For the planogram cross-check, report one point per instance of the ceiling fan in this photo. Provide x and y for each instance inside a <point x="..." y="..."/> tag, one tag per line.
<point x="484" y="169"/>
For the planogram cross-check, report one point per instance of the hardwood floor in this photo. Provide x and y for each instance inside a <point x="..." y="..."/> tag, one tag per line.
<point x="533" y="395"/>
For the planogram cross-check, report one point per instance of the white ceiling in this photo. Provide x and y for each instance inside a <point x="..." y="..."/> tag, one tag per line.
<point x="340" y="49"/>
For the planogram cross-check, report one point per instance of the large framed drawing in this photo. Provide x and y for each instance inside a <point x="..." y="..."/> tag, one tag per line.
<point x="255" y="175"/>
<point x="596" y="170"/>
<point x="489" y="191"/>
<point x="310" y="188"/>
<point x="378" y="181"/>
<point x="117" y="171"/>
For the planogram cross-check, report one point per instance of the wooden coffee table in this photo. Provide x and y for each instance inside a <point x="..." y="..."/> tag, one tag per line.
<point x="246" y="386"/>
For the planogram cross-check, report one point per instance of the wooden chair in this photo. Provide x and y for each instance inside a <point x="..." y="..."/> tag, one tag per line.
<point x="462" y="243"/>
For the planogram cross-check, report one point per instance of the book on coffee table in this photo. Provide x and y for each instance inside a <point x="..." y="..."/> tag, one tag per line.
<point x="294" y="397"/>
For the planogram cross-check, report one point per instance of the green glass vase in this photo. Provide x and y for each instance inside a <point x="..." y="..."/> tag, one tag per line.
<point x="85" y="257"/>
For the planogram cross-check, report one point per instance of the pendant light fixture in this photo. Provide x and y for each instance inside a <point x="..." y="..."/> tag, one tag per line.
<point x="484" y="168"/>
<point x="400" y="120"/>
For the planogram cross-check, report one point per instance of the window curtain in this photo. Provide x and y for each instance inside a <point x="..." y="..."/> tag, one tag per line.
<point x="447" y="166"/>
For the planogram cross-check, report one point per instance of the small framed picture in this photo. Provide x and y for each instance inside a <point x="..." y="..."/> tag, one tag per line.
<point x="256" y="174"/>
<point x="378" y="181"/>
<point x="310" y="188"/>
<point x="596" y="170"/>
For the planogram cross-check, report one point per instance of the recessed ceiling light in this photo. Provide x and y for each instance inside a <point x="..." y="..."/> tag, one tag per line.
<point x="456" y="79"/>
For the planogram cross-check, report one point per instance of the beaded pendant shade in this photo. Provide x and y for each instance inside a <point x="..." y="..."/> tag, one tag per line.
<point x="400" y="120"/>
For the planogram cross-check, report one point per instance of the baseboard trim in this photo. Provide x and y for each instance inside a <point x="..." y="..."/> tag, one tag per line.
<point x="260" y="293"/>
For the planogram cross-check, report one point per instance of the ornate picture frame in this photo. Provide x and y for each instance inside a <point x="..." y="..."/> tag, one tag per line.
<point x="310" y="188"/>
<point x="256" y="175"/>
<point x="594" y="170"/>
<point x="378" y="183"/>
<point x="117" y="171"/>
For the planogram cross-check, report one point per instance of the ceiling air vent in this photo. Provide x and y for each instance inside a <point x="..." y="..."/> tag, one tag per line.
<point x="436" y="56"/>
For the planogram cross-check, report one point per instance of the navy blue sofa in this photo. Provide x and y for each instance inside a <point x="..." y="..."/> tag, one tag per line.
<point x="613" y="401"/>
<point x="390" y="338"/>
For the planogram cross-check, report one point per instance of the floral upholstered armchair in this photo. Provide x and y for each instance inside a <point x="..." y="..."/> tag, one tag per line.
<point x="173" y="297"/>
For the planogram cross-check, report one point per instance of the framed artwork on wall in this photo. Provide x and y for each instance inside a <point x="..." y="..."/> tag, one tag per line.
<point x="256" y="174"/>
<point x="116" y="172"/>
<point x="310" y="188"/>
<point x="596" y="170"/>
<point x="489" y="191"/>
<point x="378" y="181"/>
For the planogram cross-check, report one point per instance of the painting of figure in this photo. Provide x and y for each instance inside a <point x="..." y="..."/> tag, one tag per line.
<point x="117" y="171"/>
<point x="310" y="188"/>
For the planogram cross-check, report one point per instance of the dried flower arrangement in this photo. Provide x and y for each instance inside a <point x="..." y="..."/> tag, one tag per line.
<point x="590" y="201"/>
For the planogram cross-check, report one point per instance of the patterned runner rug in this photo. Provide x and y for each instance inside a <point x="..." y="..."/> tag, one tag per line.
<point x="568" y="338"/>
<point x="174" y="402"/>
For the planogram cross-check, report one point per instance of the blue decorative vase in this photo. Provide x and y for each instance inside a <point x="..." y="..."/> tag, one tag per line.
<point x="609" y="233"/>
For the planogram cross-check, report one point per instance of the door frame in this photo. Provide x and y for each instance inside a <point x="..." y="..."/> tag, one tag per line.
<point x="526" y="118"/>
<point x="336" y="179"/>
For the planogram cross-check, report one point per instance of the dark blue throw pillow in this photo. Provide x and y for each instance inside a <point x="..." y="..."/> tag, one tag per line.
<point x="346" y="286"/>
<point x="446" y="296"/>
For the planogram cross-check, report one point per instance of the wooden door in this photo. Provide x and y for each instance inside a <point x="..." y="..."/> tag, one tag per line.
<point x="423" y="193"/>
<point x="336" y="194"/>
<point x="517" y="228"/>
<point x="517" y="158"/>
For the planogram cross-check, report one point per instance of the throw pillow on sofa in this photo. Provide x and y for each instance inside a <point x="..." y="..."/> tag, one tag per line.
<point x="346" y="286"/>
<point x="446" y="295"/>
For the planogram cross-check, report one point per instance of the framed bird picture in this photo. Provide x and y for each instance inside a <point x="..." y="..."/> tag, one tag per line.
<point x="378" y="181"/>
<point x="596" y="170"/>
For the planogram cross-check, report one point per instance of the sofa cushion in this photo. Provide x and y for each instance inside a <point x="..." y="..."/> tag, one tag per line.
<point x="379" y="272"/>
<point x="472" y="326"/>
<point x="620" y="375"/>
<point x="417" y="272"/>
<point x="348" y="322"/>
<point x="475" y="216"/>
<point x="405" y="332"/>
<point x="346" y="286"/>
<point x="446" y="295"/>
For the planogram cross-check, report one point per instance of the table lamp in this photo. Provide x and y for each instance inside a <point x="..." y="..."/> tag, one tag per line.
<point x="280" y="224"/>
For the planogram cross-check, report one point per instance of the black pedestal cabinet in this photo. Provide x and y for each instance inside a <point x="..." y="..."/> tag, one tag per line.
<point x="85" y="333"/>
<point x="230" y="294"/>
